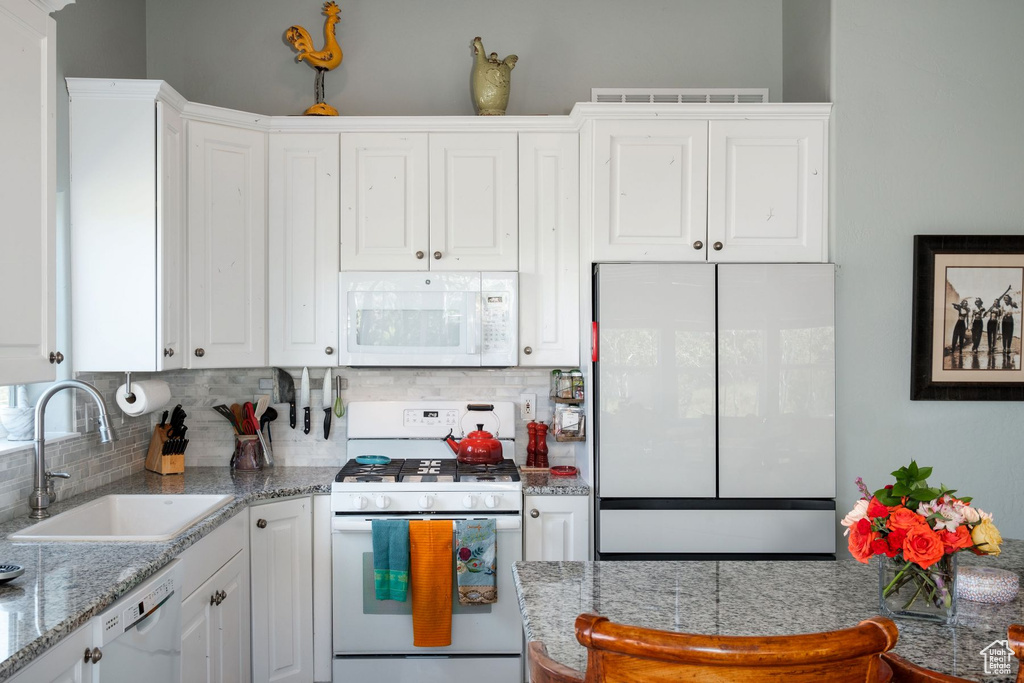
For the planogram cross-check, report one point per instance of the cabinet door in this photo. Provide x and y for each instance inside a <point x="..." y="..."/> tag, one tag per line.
<point x="549" y="249"/>
<point x="776" y="375"/>
<point x="556" y="528"/>
<point x="197" y="659"/>
<point x="473" y="201"/>
<point x="650" y="190"/>
<point x="303" y="254"/>
<point x="282" y="598"/>
<point x="384" y="201"/>
<point x="767" y="190"/>
<point x="227" y="246"/>
<point x="170" y="229"/>
<point x="214" y="627"/>
<point x="63" y="663"/>
<point x="27" y="190"/>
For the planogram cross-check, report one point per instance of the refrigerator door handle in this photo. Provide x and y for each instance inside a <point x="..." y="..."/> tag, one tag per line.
<point x="593" y="341"/>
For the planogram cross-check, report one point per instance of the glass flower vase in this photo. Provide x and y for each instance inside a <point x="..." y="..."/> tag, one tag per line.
<point x="906" y="591"/>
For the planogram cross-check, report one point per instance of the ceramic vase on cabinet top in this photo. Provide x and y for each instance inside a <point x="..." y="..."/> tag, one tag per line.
<point x="490" y="81"/>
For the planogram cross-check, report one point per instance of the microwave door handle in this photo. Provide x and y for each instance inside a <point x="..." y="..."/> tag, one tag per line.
<point x="473" y="326"/>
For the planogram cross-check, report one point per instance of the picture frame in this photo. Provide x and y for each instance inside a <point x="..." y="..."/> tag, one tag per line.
<point x="967" y="318"/>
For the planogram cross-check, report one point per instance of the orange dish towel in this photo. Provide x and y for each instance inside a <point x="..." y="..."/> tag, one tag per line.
<point x="430" y="577"/>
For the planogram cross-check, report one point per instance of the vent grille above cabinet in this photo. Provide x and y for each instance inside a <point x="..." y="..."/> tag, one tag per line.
<point x="680" y="95"/>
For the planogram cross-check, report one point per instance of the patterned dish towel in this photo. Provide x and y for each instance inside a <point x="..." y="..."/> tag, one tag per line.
<point x="475" y="553"/>
<point x="390" y="558"/>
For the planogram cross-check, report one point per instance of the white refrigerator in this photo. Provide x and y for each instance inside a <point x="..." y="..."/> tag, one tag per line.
<point x="715" y="411"/>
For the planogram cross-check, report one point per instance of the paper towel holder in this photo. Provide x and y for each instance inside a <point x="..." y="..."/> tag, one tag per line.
<point x="129" y="395"/>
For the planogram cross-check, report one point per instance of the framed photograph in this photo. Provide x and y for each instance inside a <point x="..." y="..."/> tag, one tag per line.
<point x="967" y="318"/>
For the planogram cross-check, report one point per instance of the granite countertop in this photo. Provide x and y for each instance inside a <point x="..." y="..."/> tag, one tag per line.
<point x="753" y="598"/>
<point x="66" y="583"/>
<point x="545" y="484"/>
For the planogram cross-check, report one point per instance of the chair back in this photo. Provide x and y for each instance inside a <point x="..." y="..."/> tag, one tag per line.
<point x="543" y="669"/>
<point x="629" y="654"/>
<point x="904" y="671"/>
<point x="1015" y="637"/>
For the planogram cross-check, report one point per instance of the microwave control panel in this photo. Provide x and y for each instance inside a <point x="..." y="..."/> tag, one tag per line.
<point x="495" y="325"/>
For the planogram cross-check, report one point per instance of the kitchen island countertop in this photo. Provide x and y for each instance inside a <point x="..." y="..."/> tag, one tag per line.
<point x="754" y="598"/>
<point x="546" y="484"/>
<point x="66" y="583"/>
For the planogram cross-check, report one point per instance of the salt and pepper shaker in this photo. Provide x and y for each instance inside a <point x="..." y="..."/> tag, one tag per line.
<point x="531" y="444"/>
<point x="542" y="445"/>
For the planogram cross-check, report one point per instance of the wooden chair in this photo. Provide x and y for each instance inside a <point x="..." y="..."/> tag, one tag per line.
<point x="1015" y="639"/>
<point x="543" y="669"/>
<point x="904" y="671"/>
<point x="629" y="654"/>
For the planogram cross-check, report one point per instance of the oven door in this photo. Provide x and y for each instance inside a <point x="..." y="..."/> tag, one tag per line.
<point x="364" y="625"/>
<point x="410" y="319"/>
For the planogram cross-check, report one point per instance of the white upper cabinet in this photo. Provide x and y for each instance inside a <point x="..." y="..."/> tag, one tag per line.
<point x="303" y="237"/>
<point x="227" y="235"/>
<point x="429" y="201"/>
<point x="27" y="187"/>
<point x="384" y="188"/>
<point x="767" y="197"/>
<point x="127" y="225"/>
<point x="473" y="201"/>
<point x="549" y="258"/>
<point x="650" y="190"/>
<point x="729" y="183"/>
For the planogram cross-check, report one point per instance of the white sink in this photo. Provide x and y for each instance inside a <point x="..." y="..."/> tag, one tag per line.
<point x="125" y="518"/>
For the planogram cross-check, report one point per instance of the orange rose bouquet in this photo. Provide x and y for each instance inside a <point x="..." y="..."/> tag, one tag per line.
<point x="916" y="531"/>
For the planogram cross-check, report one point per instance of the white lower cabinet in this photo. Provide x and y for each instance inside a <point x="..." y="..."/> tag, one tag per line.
<point x="215" y="627"/>
<point x="556" y="528"/>
<point x="63" y="663"/>
<point x="281" y="538"/>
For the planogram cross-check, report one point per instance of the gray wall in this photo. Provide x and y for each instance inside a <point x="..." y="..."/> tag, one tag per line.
<point x="806" y="50"/>
<point x="928" y="139"/>
<point x="408" y="57"/>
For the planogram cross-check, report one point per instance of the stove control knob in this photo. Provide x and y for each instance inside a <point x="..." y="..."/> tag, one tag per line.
<point x="358" y="502"/>
<point x="426" y="502"/>
<point x="469" y="502"/>
<point x="382" y="502"/>
<point x="491" y="501"/>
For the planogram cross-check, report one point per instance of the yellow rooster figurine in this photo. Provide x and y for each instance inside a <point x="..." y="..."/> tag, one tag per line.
<point x="321" y="60"/>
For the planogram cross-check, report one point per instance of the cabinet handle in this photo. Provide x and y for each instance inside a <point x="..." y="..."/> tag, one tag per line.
<point x="329" y="350"/>
<point x="168" y="352"/>
<point x="93" y="655"/>
<point x="528" y="350"/>
<point x="200" y="353"/>
<point x="437" y="255"/>
<point x="261" y="523"/>
<point x="213" y="599"/>
<point x="420" y="254"/>
<point x="717" y="246"/>
<point x="56" y="357"/>
<point x="698" y="245"/>
<point x="535" y="513"/>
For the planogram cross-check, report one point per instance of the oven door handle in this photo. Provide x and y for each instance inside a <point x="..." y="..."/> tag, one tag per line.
<point x="341" y="524"/>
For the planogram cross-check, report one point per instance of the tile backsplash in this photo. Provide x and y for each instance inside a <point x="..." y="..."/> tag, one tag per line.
<point x="211" y="439"/>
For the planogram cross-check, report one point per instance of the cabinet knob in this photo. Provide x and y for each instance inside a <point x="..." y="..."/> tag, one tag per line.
<point x="420" y="254"/>
<point x="717" y="246"/>
<point x="698" y="245"/>
<point x="261" y="523"/>
<point x="56" y="357"/>
<point x="93" y="655"/>
<point x="437" y="255"/>
<point x="213" y="599"/>
<point x="329" y="350"/>
<point x="168" y="352"/>
<point x="535" y="513"/>
<point x="200" y="352"/>
<point x="528" y="350"/>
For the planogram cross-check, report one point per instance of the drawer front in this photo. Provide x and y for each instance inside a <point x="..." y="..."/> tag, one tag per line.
<point x="205" y="557"/>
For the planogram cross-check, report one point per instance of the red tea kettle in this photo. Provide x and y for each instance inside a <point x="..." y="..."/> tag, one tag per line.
<point x="476" y="448"/>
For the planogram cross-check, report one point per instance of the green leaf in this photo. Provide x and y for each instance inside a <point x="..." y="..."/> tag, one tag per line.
<point x="925" y="494"/>
<point x="912" y="471"/>
<point x="885" y="497"/>
<point x="924" y="473"/>
<point x="899" y="489"/>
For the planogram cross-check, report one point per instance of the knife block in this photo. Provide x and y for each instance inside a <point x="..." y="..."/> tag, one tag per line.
<point x="156" y="461"/>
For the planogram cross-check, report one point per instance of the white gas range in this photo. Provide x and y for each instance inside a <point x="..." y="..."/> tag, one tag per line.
<point x="408" y="471"/>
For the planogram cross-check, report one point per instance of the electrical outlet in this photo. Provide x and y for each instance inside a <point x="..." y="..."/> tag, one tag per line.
<point x="528" y="406"/>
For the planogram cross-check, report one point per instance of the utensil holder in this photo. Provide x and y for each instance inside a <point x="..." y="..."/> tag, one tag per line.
<point x="156" y="461"/>
<point x="248" y="455"/>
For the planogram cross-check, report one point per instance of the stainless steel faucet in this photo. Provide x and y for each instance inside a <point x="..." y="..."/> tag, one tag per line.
<point x="42" y="491"/>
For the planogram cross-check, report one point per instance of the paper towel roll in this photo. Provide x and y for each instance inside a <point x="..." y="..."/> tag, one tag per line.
<point x="150" y="395"/>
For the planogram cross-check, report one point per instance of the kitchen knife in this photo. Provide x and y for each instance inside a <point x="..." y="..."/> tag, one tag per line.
<point x="327" y="403"/>
<point x="284" y="392"/>
<point x="304" y="400"/>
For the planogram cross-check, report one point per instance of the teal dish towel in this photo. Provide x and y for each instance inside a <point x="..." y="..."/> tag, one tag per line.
<point x="390" y="558"/>
<point x="476" y="554"/>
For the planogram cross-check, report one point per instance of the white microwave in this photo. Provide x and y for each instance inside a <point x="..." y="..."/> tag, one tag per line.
<point x="429" y="319"/>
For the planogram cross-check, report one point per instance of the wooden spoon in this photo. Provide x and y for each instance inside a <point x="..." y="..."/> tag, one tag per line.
<point x="236" y="410"/>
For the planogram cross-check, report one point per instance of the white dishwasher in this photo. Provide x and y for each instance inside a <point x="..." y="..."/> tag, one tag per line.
<point x="139" y="636"/>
